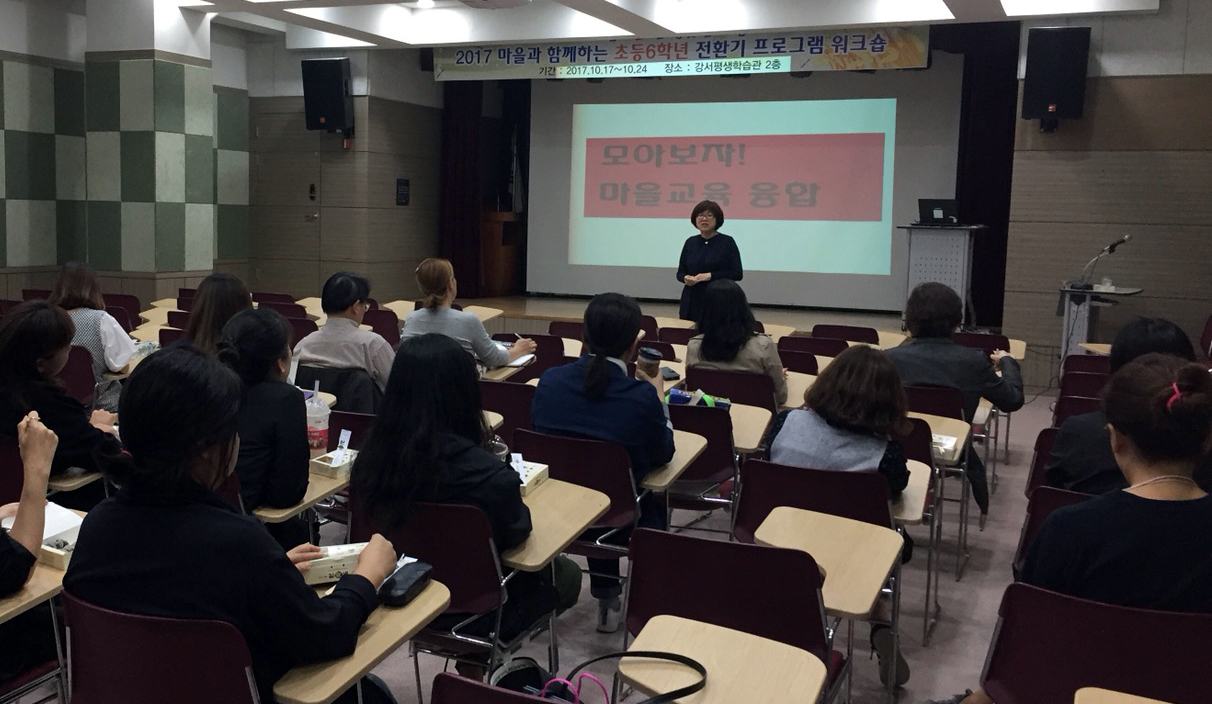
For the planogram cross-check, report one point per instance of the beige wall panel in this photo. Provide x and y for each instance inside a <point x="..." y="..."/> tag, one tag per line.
<point x="423" y="176"/>
<point x="401" y="234"/>
<point x="335" y="142"/>
<point x="1031" y="316"/>
<point x="285" y="178"/>
<point x="241" y="268"/>
<point x="1188" y="314"/>
<point x="404" y="128"/>
<point x="278" y="232"/>
<point x="281" y="132"/>
<point x="1148" y="113"/>
<point x="343" y="234"/>
<point x="18" y="280"/>
<point x="389" y="281"/>
<point x="300" y="278"/>
<point x="1112" y="187"/>
<point x="343" y="179"/>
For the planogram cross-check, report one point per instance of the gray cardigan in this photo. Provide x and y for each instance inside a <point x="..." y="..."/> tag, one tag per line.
<point x="465" y="328"/>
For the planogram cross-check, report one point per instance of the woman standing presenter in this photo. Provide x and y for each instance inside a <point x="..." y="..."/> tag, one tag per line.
<point x="707" y="256"/>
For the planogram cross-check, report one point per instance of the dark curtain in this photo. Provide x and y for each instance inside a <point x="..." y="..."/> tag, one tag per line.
<point x="460" y="200"/>
<point x="986" y="149"/>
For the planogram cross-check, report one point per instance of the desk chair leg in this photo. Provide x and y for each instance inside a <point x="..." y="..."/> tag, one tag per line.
<point x="62" y="684"/>
<point x="416" y="668"/>
<point x="896" y="631"/>
<point x="930" y="613"/>
<point x="1009" y="416"/>
<point x="359" y="686"/>
<point x="849" y="659"/>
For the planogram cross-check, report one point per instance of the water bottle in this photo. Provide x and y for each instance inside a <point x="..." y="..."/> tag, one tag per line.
<point x="317" y="421"/>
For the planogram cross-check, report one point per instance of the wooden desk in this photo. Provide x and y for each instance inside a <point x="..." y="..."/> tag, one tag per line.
<point x="494" y="420"/>
<point x="572" y="348"/>
<point x="952" y="427"/>
<point x="663" y="322"/>
<point x="125" y="371"/>
<point x="559" y="512"/>
<point x="679" y="351"/>
<point x="777" y="331"/>
<point x="384" y="632"/>
<point x="1094" y="695"/>
<point x="400" y="308"/>
<point x="319" y="487"/>
<point x="797" y="385"/>
<point x="71" y="482"/>
<point x="855" y="557"/>
<point x="148" y="332"/>
<point x="1018" y="349"/>
<point x="483" y="313"/>
<point x="169" y="303"/>
<point x="687" y="448"/>
<point x="43" y="585"/>
<point x="984" y="409"/>
<point x="157" y="316"/>
<point x="503" y="373"/>
<point x="1095" y="348"/>
<point x="311" y="304"/>
<point x="909" y="509"/>
<point x="748" y="426"/>
<point x="330" y="399"/>
<point x="889" y="340"/>
<point x="740" y="667"/>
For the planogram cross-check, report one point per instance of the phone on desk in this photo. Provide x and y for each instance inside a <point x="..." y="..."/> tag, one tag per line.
<point x="669" y="375"/>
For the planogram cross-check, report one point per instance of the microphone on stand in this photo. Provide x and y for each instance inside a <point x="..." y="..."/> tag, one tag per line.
<point x="1083" y="284"/>
<point x="1110" y="249"/>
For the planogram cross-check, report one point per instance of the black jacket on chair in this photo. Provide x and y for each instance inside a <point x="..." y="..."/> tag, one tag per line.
<point x="355" y="390"/>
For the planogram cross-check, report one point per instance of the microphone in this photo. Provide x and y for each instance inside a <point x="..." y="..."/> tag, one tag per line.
<point x="1110" y="249"/>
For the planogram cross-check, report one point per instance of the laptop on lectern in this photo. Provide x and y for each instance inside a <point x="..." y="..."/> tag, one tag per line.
<point x="931" y="211"/>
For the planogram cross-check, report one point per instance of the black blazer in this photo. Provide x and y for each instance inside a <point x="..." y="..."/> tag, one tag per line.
<point x="1081" y="458"/>
<point x="273" y="461"/>
<point x="941" y="361"/>
<point x="718" y="255"/>
<point x="78" y="439"/>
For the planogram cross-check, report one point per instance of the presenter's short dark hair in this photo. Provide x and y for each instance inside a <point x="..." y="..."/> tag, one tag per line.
<point x="342" y="290"/>
<point x="709" y="206"/>
<point x="933" y="310"/>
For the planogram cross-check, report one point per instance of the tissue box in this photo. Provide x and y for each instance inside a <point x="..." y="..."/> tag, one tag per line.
<point x="532" y="475"/>
<point x="338" y="561"/>
<point x="324" y="464"/>
<point x="59" y="536"/>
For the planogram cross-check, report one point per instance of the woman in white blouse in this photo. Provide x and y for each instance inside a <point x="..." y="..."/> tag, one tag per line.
<point x="78" y="292"/>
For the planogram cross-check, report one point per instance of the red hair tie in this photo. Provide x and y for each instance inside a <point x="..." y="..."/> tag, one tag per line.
<point x="1174" y="396"/>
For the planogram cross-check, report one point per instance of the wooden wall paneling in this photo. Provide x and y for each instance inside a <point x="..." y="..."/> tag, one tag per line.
<point x="276" y="131"/>
<point x="284" y="232"/>
<point x="335" y="142"/>
<point x="343" y="235"/>
<point x="285" y="178"/>
<point x="298" y="277"/>
<point x="343" y="179"/>
<point x="423" y="175"/>
<point x="398" y="234"/>
<point x="403" y="128"/>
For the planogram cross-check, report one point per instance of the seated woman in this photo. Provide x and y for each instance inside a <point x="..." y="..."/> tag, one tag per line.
<point x="35" y="339"/>
<point x="219" y="297"/>
<point x="594" y="398"/>
<point x="179" y="419"/>
<point x="78" y="292"/>
<point x="427" y="444"/>
<point x="727" y="340"/>
<point x="273" y="460"/>
<point x="27" y="640"/>
<point x="435" y="278"/>
<point x="1147" y="545"/>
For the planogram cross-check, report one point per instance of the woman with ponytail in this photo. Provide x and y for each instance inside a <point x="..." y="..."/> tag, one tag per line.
<point x="436" y="280"/>
<point x="595" y="398"/>
<point x="273" y="458"/>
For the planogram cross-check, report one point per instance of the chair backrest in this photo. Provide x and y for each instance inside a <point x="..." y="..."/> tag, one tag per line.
<point x="123" y="316"/>
<point x="1043" y="450"/>
<point x="1088" y="384"/>
<point x="12" y="471"/>
<point x="802" y="362"/>
<point x="649" y="325"/>
<point x="455" y="538"/>
<point x="1112" y="647"/>
<point x="187" y="292"/>
<point x="714" y="581"/>
<point x="1205" y="338"/>
<point x="355" y="390"/>
<point x="1043" y="501"/>
<point x="599" y="465"/>
<point x="675" y="336"/>
<point x="195" y="661"/>
<point x="170" y="335"/>
<point x="384" y="322"/>
<point x="35" y="294"/>
<point x="918" y="444"/>
<point x="665" y="348"/>
<point x="266" y="297"/>
<point x="371" y="304"/>
<point x="300" y="328"/>
<point x="288" y="310"/>
<point x="850" y="333"/>
<point x="859" y="496"/>
<point x="759" y="327"/>
<point x="749" y="388"/>
<point x="1093" y="363"/>
<point x="548" y="353"/>
<point x="824" y="346"/>
<point x="178" y="319"/>
<point x="718" y="461"/>
<point x="455" y="689"/>
<point x="1067" y="406"/>
<point x="77" y="375"/>
<point x="936" y="401"/>
<point x="358" y="425"/>
<point x="986" y="342"/>
<point x="132" y="304"/>
<point x="570" y="329"/>
<point x="512" y="401"/>
<point x="186" y="304"/>
<point x="6" y="305"/>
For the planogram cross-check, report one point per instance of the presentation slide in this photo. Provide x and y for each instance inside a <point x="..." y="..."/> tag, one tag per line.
<point x="807" y="185"/>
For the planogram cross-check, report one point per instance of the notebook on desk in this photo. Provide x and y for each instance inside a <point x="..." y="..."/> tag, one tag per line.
<point x="521" y="361"/>
<point x="943" y="443"/>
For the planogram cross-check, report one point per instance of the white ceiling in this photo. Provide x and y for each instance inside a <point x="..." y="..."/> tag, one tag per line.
<point x="349" y="23"/>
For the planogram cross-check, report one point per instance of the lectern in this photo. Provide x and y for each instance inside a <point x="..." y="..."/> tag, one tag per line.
<point x="1079" y="308"/>
<point x="942" y="253"/>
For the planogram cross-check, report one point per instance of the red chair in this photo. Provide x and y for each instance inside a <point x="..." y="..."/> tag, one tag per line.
<point x="12" y="471"/>
<point x="676" y="336"/>
<point x="548" y="353"/>
<point x="452" y="689"/>
<point x="512" y="401"/>
<point x="649" y="325"/>
<point x="300" y="328"/>
<point x="384" y="322"/>
<point x="178" y="319"/>
<point x="1043" y="450"/>
<point x="758" y="327"/>
<point x="699" y="487"/>
<point x="569" y="329"/>
<point x="823" y="346"/>
<point x="288" y="310"/>
<point x="1205" y="338"/>
<point x="1043" y="501"/>
<point x="850" y="333"/>
<point x="124" y="300"/>
<point x="859" y="496"/>
<point x="36" y="677"/>
<point x="117" y="657"/>
<point x="1086" y="384"/>
<point x="986" y="342"/>
<point x="77" y="376"/>
<point x="1067" y="406"/>
<point x="123" y="317"/>
<point x="918" y="444"/>
<point x="948" y="403"/>
<point x="187" y="292"/>
<point x="35" y="294"/>
<point x="170" y="335"/>
<point x="371" y="304"/>
<point x="665" y="348"/>
<point x="263" y="297"/>
<point x="1112" y="647"/>
<point x="1092" y="363"/>
<point x="713" y="581"/>
<point x="936" y="401"/>
<point x="185" y="304"/>
<point x="358" y="425"/>
<point x="802" y="362"/>
<point x="750" y="388"/>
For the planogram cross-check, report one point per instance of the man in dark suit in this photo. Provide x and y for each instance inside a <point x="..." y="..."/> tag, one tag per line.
<point x="930" y="357"/>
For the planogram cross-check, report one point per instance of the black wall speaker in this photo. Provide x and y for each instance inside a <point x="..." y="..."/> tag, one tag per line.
<point x="1055" y="82"/>
<point x="327" y="94"/>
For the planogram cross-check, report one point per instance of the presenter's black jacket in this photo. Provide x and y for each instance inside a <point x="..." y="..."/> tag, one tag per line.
<point x="718" y="255"/>
<point x="193" y="556"/>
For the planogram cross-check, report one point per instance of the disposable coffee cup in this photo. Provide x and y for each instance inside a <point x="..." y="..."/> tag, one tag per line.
<point x="649" y="361"/>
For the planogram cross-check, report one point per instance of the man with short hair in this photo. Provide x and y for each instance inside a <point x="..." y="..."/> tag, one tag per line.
<point x="341" y="343"/>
